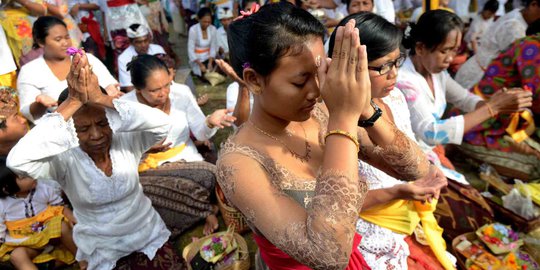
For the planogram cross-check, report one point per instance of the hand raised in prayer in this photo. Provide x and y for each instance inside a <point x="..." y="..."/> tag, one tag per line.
<point x="77" y="78"/>
<point x="344" y="82"/>
<point x="511" y="100"/>
<point x="426" y="188"/>
<point x="221" y="118"/>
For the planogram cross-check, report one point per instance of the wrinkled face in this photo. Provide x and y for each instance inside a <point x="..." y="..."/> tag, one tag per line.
<point x="381" y="85"/>
<point x="141" y="44"/>
<point x="56" y="42"/>
<point x="26" y="183"/>
<point x="158" y="87"/>
<point x="14" y="128"/>
<point x="93" y="131"/>
<point x="290" y="92"/>
<point x="439" y="59"/>
<point x="205" y="22"/>
<point x="360" y="5"/>
<point x="225" y="22"/>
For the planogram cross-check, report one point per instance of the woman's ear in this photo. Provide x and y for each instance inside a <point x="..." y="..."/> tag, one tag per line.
<point x="419" y="48"/>
<point x="253" y="80"/>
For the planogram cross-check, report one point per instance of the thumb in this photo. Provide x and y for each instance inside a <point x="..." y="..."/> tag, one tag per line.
<point x="229" y="110"/>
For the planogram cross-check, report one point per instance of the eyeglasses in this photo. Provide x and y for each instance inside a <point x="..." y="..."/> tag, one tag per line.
<point x="385" y="68"/>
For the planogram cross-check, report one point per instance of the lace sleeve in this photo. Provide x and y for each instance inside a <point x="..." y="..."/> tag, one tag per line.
<point x="321" y="236"/>
<point x="402" y="159"/>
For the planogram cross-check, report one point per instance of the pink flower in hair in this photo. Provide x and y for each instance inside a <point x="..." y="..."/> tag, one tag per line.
<point x="254" y="8"/>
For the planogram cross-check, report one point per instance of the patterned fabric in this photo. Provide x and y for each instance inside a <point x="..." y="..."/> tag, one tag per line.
<point x="181" y="192"/>
<point x="50" y="222"/>
<point x="165" y="258"/>
<point x="17" y="24"/>
<point x="461" y="209"/>
<point x="517" y="66"/>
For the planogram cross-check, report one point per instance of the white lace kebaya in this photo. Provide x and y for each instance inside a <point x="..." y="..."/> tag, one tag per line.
<point x="114" y="217"/>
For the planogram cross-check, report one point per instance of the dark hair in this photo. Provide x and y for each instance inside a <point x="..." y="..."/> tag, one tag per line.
<point x="169" y="62"/>
<point x="491" y="5"/>
<point x="262" y="38"/>
<point x="142" y="66"/>
<point x="431" y="29"/>
<point x="533" y="28"/>
<point x="40" y="29"/>
<point x="380" y="36"/>
<point x="8" y="180"/>
<point x="65" y="94"/>
<point x="204" y="12"/>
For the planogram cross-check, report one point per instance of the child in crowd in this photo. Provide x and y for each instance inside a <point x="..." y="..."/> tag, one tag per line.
<point x="32" y="215"/>
<point x="480" y="23"/>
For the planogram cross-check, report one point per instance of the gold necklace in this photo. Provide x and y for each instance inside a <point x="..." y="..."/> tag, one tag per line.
<point x="303" y="158"/>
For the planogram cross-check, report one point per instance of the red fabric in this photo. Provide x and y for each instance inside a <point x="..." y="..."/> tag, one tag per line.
<point x="421" y="257"/>
<point x="119" y="3"/>
<point x="94" y="31"/>
<point x="276" y="259"/>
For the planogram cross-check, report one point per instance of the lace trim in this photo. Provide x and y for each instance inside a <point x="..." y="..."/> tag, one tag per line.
<point x="57" y="122"/>
<point x="404" y="156"/>
<point x="281" y="178"/>
<point x="116" y="118"/>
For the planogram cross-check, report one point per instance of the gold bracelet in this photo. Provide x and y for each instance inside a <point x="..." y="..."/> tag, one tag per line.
<point x="490" y="110"/>
<point x="346" y="134"/>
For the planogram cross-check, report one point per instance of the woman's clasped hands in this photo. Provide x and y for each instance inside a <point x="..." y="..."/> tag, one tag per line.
<point x="83" y="84"/>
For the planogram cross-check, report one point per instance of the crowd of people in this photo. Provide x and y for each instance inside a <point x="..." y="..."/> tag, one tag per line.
<point x="342" y="111"/>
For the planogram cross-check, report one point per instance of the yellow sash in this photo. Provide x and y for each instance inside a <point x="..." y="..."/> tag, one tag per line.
<point x="403" y="216"/>
<point x="23" y="228"/>
<point x="518" y="135"/>
<point x="152" y="160"/>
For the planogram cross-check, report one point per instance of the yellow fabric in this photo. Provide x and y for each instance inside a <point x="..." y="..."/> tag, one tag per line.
<point x="530" y="189"/>
<point x="52" y="218"/>
<point x="432" y="4"/>
<point x="9" y="79"/>
<point x="398" y="216"/>
<point x="23" y="228"/>
<point x="521" y="134"/>
<point x="152" y="160"/>
<point x="403" y="216"/>
<point x="17" y="24"/>
<point x="433" y="232"/>
<point x="512" y="129"/>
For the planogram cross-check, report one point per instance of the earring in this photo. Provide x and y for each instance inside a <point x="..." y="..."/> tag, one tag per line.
<point x="256" y="90"/>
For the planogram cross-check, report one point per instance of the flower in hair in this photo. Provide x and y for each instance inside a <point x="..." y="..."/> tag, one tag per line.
<point x="254" y="8"/>
<point x="407" y="32"/>
<point x="246" y="65"/>
<point x="72" y="51"/>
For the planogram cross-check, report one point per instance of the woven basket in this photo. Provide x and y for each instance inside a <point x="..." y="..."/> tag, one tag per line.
<point x="240" y="264"/>
<point x="231" y="216"/>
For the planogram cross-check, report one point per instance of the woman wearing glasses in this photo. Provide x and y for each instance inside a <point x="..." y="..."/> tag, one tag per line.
<point x="173" y="173"/>
<point x="386" y="242"/>
<point x="432" y="45"/>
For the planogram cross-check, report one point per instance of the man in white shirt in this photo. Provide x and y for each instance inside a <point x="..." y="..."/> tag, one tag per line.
<point x="225" y="16"/>
<point x="139" y="38"/>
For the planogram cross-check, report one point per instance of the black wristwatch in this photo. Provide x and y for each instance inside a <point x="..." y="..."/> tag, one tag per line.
<point x="371" y="121"/>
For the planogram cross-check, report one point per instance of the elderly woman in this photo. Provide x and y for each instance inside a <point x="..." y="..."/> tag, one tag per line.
<point x="174" y="165"/>
<point x="92" y="146"/>
<point x="41" y="81"/>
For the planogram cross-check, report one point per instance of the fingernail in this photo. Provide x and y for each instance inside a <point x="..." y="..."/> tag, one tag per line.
<point x="318" y="61"/>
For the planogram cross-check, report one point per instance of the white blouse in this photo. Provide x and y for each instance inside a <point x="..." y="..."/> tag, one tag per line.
<point x="502" y="33"/>
<point x="13" y="208"/>
<point x="199" y="48"/>
<point x="114" y="217"/>
<point x="36" y="78"/>
<point x="427" y="109"/>
<point x="185" y="116"/>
